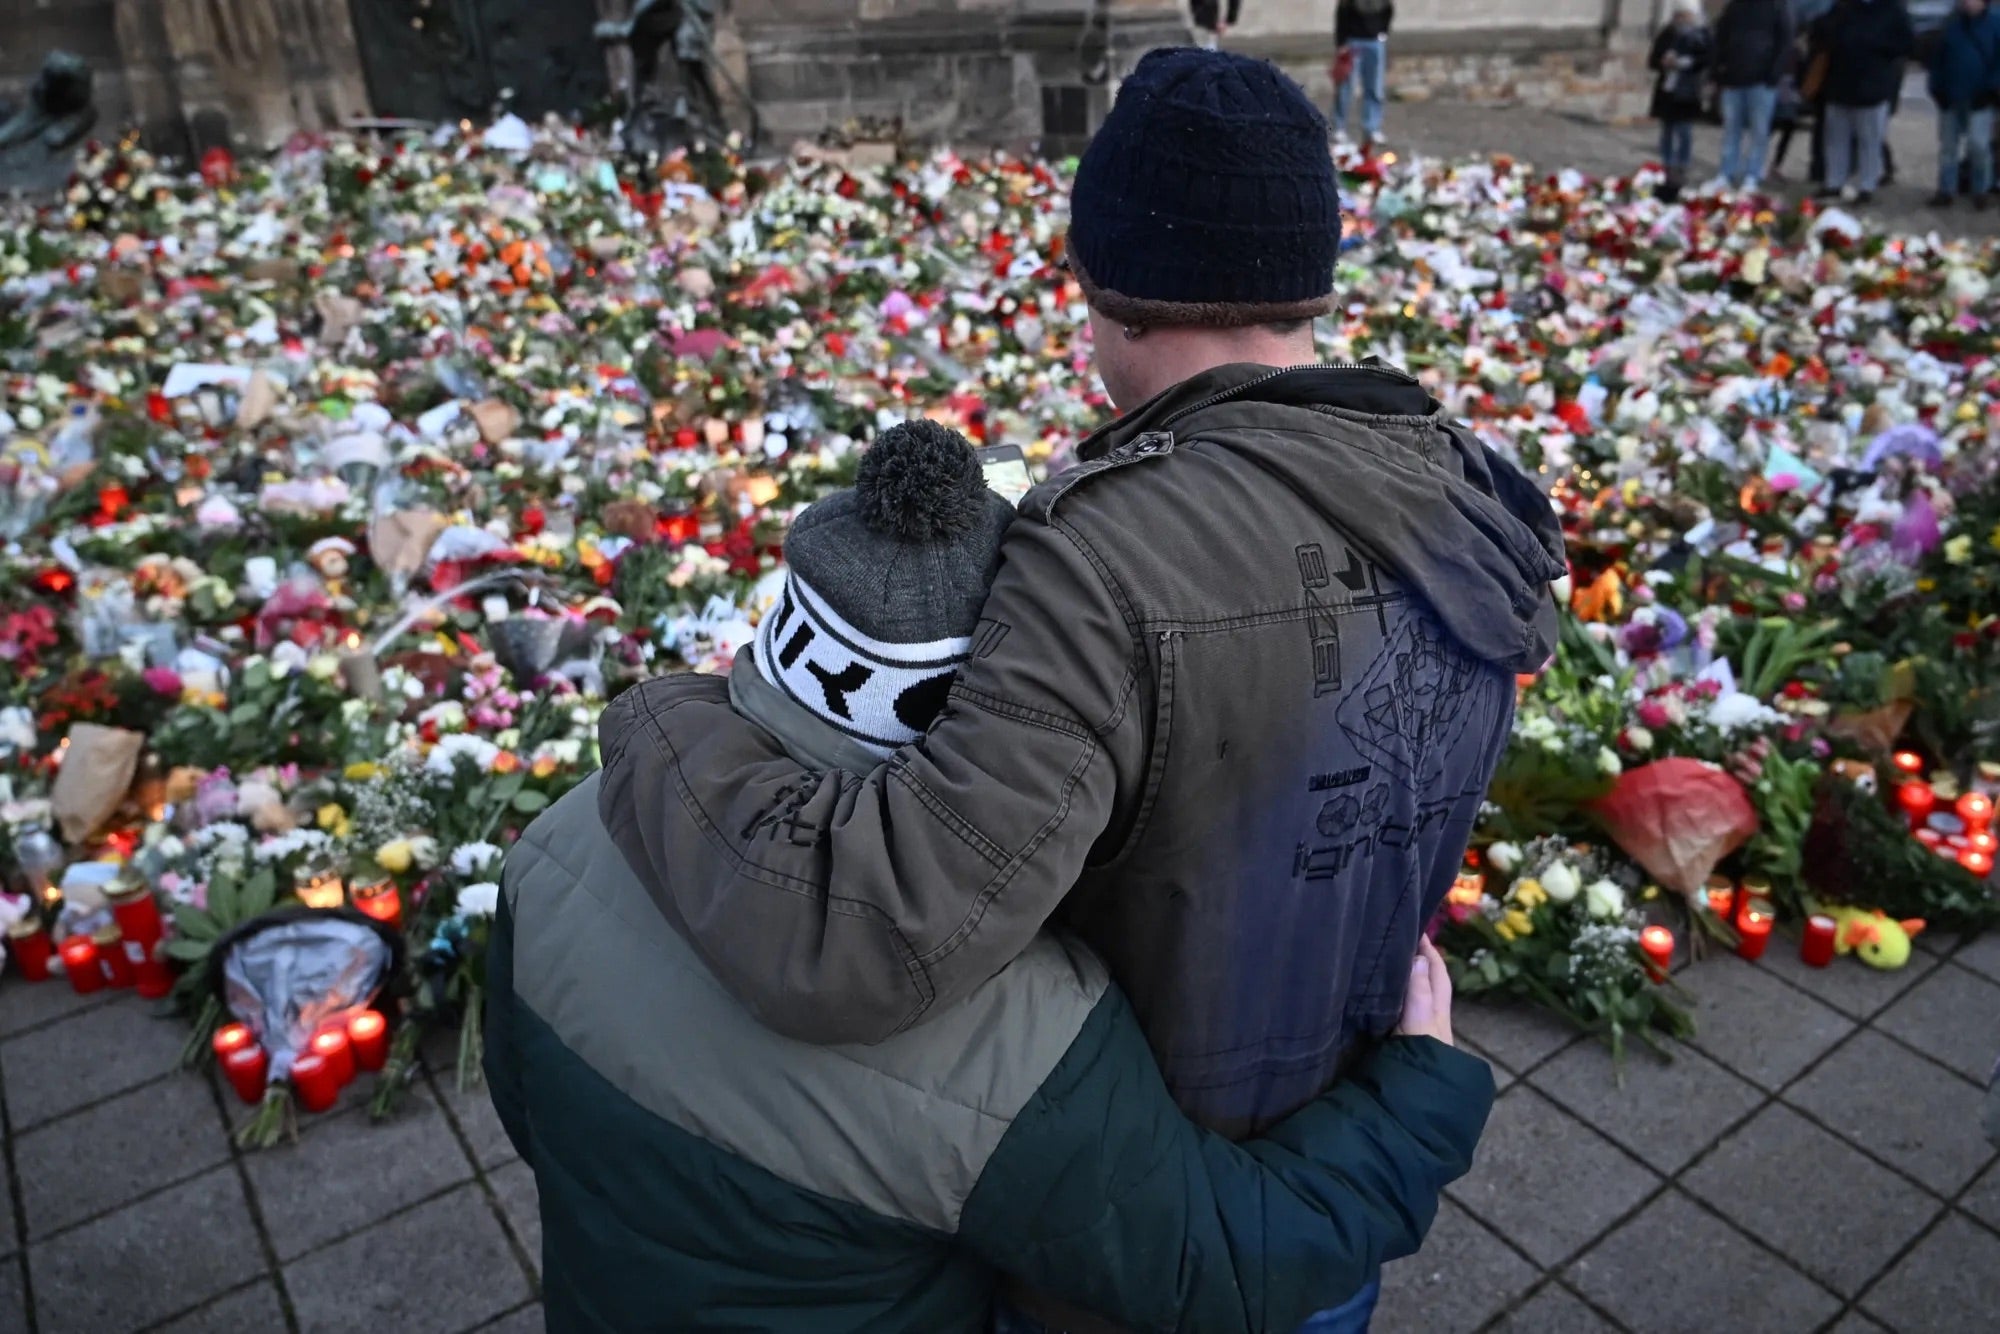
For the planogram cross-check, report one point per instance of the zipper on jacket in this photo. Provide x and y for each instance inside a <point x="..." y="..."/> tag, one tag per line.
<point x="1227" y="394"/>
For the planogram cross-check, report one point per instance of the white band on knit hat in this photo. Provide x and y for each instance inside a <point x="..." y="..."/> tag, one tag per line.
<point x="881" y="694"/>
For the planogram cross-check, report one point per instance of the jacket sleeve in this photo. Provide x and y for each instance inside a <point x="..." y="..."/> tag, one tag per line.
<point x="501" y="1061"/>
<point x="840" y="907"/>
<point x="1104" y="1196"/>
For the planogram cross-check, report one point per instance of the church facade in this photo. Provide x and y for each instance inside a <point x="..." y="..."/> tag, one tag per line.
<point x="195" y="73"/>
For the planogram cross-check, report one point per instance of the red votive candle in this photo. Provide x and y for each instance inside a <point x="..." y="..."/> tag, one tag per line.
<point x="381" y="902"/>
<point x="1983" y="842"/>
<point x="368" y="1033"/>
<point x="137" y="913"/>
<point x="1753" y="928"/>
<point x="79" y="956"/>
<point x="150" y="973"/>
<point x="32" y="949"/>
<point x="331" y="1045"/>
<point x="1816" y="948"/>
<point x="111" y="957"/>
<point x="231" y="1037"/>
<point x="1976" y="809"/>
<point x="1722" y="896"/>
<point x="248" y="1070"/>
<point x="1657" y="944"/>
<point x="1979" y="863"/>
<point x="1908" y="763"/>
<point x="1917" y="801"/>
<point x="313" y="1082"/>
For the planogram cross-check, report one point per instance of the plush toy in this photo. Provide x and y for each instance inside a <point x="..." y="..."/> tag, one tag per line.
<point x="1878" y="940"/>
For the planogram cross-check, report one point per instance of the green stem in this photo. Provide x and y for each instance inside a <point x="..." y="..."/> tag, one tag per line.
<point x="397" y="1071"/>
<point x="271" y="1122"/>
<point x="471" y="1041"/>
<point x="200" y="1044"/>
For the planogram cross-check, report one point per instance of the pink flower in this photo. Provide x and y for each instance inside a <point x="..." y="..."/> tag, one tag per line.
<point x="1795" y="601"/>
<point x="1653" y="715"/>
<point x="162" y="681"/>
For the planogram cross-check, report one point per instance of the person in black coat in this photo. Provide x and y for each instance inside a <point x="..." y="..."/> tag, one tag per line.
<point x="1680" y="60"/>
<point x="1212" y="21"/>
<point x="1753" y="49"/>
<point x="1868" y="43"/>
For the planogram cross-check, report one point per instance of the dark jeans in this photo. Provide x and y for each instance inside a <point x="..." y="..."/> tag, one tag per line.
<point x="1676" y="146"/>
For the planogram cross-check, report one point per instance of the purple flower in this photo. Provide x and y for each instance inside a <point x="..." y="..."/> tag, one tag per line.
<point x="1916" y="533"/>
<point x="162" y="681"/>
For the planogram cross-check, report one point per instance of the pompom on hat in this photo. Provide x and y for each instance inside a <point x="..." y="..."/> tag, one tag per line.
<point x="884" y="587"/>
<point x="1208" y="197"/>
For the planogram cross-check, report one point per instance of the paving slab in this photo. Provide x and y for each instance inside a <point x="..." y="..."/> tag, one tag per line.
<point x="1981" y="955"/>
<point x="13" y="1296"/>
<point x="1461" y="1278"/>
<point x="1946" y="1286"/>
<point x="1513" y="1035"/>
<point x="162" y="1256"/>
<point x="1807" y="1194"/>
<point x="1665" y="1111"/>
<point x="1555" y="1310"/>
<point x="10" y="1237"/>
<point x="1854" y="1322"/>
<point x="1753" y="1023"/>
<point x="1545" y="1181"/>
<point x="1677" y="1269"/>
<point x="472" y="1108"/>
<point x="1899" y="1107"/>
<point x="1983" y="1199"/>
<point x="1847" y="984"/>
<point x="84" y="1163"/>
<point x="85" y="1058"/>
<point x="251" y="1310"/>
<point x="527" y="1320"/>
<point x="439" y="1268"/>
<point x="25" y="1005"/>
<point x="346" y="1172"/>
<point x="1954" y="1016"/>
<point x="521" y="1205"/>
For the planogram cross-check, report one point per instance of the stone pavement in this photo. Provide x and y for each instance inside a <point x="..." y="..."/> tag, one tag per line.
<point x="1812" y="1162"/>
<point x="1454" y="129"/>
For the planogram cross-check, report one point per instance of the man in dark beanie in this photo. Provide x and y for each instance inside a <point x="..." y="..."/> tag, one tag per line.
<point x="1234" y="700"/>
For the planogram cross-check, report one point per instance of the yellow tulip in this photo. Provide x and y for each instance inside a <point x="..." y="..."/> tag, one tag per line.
<point x="395" y="856"/>
<point x="1520" y="922"/>
<point x="359" y="773"/>
<point x="1528" y="892"/>
<point x="330" y="816"/>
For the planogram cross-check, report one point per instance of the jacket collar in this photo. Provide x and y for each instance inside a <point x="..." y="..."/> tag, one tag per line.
<point x="805" y="738"/>
<point x="1372" y="386"/>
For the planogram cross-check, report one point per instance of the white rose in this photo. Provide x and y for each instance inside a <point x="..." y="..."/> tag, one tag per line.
<point x="1607" y="761"/>
<point x="323" y="667"/>
<point x="1603" y="898"/>
<point x="1561" y="882"/>
<point x="478" y="900"/>
<point x="1639" y="738"/>
<point x="424" y="851"/>
<point x="1503" y="857"/>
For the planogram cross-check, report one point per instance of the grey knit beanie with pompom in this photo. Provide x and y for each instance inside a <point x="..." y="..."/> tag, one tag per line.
<point x="884" y="587"/>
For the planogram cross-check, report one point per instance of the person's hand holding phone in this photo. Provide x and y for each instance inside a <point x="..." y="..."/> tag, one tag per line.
<point x="1427" y="1004"/>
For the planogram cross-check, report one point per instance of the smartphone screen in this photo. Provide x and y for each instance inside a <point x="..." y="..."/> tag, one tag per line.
<point x="1006" y="472"/>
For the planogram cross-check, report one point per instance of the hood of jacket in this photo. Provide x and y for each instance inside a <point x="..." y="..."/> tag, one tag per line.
<point x="1369" y="448"/>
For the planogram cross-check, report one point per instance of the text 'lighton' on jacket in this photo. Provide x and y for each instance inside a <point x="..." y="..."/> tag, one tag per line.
<point x="1242" y="681"/>
<point x="699" y="1172"/>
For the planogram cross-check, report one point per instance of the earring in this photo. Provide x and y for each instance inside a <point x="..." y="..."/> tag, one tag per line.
<point x="1133" y="333"/>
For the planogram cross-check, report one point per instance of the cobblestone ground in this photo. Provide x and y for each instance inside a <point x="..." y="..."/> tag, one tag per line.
<point x="1554" y="140"/>
<point x="1813" y="1162"/>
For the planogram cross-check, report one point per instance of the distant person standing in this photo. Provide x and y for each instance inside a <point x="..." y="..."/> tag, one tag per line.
<point x="1679" y="59"/>
<point x="1753" y="46"/>
<point x="1361" y="36"/>
<point x="1964" y="82"/>
<point x="1867" y="43"/>
<point x="1211" y="23"/>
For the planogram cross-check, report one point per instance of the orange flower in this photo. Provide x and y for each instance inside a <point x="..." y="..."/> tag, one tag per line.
<point x="506" y="762"/>
<point x="543" y="767"/>
<point x="1601" y="599"/>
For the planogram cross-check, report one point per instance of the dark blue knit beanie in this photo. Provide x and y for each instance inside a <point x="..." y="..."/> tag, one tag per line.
<point x="1207" y="198"/>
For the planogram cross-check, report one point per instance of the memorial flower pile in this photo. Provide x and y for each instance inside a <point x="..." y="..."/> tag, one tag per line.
<point x="340" y="489"/>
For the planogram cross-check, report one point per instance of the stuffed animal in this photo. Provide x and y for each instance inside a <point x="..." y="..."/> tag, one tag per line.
<point x="1878" y="940"/>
